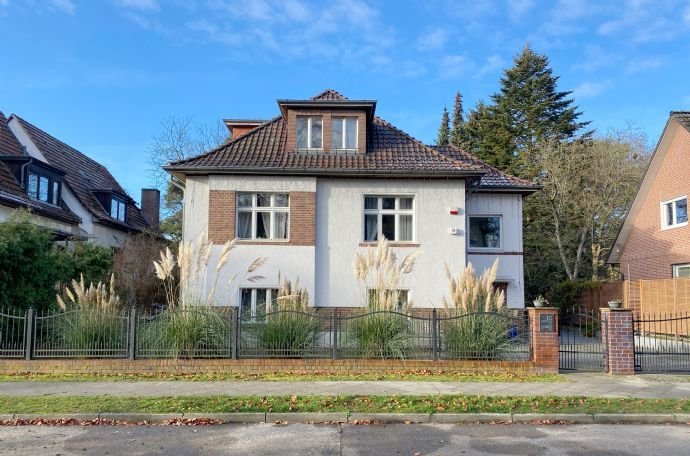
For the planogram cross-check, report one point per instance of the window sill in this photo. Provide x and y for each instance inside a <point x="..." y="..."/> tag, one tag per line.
<point x="392" y="244"/>
<point x="263" y="242"/>
<point x="677" y="225"/>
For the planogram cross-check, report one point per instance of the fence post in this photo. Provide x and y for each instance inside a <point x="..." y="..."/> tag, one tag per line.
<point x="334" y="327"/>
<point x="434" y="334"/>
<point x="234" y="332"/>
<point x="618" y="337"/>
<point x="543" y="323"/>
<point x="132" y="342"/>
<point x="29" y="335"/>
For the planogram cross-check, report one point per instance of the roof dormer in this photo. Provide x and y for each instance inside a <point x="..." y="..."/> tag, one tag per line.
<point x="327" y="123"/>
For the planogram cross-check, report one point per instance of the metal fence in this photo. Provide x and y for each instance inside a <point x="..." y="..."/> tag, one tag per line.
<point x="580" y="346"/>
<point x="218" y="332"/>
<point x="662" y="343"/>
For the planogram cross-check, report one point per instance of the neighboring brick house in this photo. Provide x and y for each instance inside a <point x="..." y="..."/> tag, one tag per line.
<point x="654" y="242"/>
<point x="327" y="178"/>
<point x="66" y="191"/>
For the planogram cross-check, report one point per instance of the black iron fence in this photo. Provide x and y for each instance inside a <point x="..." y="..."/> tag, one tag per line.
<point x="220" y="332"/>
<point x="580" y="345"/>
<point x="662" y="342"/>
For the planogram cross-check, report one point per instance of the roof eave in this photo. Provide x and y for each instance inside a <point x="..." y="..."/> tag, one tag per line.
<point x="368" y="105"/>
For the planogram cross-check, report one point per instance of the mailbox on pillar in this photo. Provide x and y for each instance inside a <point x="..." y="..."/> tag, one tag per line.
<point x="547" y="323"/>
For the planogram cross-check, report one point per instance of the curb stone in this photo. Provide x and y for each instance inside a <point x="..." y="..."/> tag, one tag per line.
<point x="139" y="417"/>
<point x="453" y="418"/>
<point x="391" y="417"/>
<point x="66" y="416"/>
<point x="303" y="417"/>
<point x="6" y="417"/>
<point x="651" y="418"/>
<point x="239" y="417"/>
<point x="578" y="418"/>
<point x="682" y="418"/>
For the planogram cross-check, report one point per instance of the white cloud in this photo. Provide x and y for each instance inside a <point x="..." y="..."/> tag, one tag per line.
<point x="518" y="8"/>
<point x="596" y="58"/>
<point x="4" y="2"/>
<point x="65" y="6"/>
<point x="647" y="21"/>
<point x="641" y="65"/>
<point x="591" y="89"/>
<point x="139" y="5"/>
<point x="453" y="66"/>
<point x="493" y="63"/>
<point x="434" y="39"/>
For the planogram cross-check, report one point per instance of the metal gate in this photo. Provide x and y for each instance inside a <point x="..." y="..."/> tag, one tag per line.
<point x="662" y="343"/>
<point x="580" y="346"/>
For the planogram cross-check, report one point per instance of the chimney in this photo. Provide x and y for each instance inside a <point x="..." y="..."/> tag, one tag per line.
<point x="151" y="206"/>
<point x="240" y="127"/>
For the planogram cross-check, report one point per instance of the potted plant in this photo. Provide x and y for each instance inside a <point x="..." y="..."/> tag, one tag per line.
<point x="615" y="303"/>
<point x="540" y="301"/>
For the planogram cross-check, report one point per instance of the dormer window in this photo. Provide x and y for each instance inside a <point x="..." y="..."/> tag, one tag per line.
<point x="309" y="132"/>
<point x="43" y="185"/>
<point x="344" y="133"/>
<point x="118" y="208"/>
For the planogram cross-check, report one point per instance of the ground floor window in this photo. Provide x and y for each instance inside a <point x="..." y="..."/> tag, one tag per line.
<point x="681" y="271"/>
<point x="485" y="232"/>
<point x="381" y="297"/>
<point x="502" y="286"/>
<point x="255" y="302"/>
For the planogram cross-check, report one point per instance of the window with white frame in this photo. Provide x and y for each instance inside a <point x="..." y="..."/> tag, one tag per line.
<point x="681" y="271"/>
<point x="256" y="302"/>
<point x="263" y="216"/>
<point x="309" y="132"/>
<point x="118" y="208"/>
<point x="674" y="212"/>
<point x="380" y="298"/>
<point x="391" y="217"/>
<point x="485" y="231"/>
<point x="344" y="133"/>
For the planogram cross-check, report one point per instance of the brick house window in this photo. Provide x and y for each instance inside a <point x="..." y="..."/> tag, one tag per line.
<point x="263" y="216"/>
<point x="344" y="133"/>
<point x="674" y="213"/>
<point x="485" y="232"/>
<point x="309" y="132"/>
<point x="681" y="271"/>
<point x="256" y="302"/>
<point x="391" y="217"/>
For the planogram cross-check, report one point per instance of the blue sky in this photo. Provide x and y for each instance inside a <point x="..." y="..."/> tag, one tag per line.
<point x="102" y="75"/>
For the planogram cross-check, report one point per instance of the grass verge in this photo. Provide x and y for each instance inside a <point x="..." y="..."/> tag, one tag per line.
<point x="373" y="404"/>
<point x="426" y="376"/>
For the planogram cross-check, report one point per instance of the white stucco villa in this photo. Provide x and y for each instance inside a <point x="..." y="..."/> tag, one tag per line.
<point x="328" y="178"/>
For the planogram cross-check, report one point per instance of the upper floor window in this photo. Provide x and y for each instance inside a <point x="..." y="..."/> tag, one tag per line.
<point x="43" y="186"/>
<point x="118" y="208"/>
<point x="485" y="232"/>
<point x="674" y="213"/>
<point x="309" y="132"/>
<point x="391" y="217"/>
<point x="344" y="133"/>
<point x="263" y="215"/>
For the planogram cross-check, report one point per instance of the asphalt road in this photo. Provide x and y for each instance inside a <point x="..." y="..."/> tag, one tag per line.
<point x="306" y="439"/>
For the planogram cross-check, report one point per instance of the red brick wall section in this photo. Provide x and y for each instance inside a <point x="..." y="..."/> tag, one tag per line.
<point x="221" y="218"/>
<point x="650" y="252"/>
<point x="258" y="366"/>
<point x="544" y="344"/>
<point x="617" y="334"/>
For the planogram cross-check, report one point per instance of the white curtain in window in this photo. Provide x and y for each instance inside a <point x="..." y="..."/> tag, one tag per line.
<point x="280" y="225"/>
<point x="405" y="228"/>
<point x="370" y="227"/>
<point x="244" y="225"/>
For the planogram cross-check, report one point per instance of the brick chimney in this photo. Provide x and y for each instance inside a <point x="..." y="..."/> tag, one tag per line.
<point x="151" y="206"/>
<point x="240" y="127"/>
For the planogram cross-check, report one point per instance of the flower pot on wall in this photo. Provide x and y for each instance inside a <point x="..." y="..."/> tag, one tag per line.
<point x="615" y="304"/>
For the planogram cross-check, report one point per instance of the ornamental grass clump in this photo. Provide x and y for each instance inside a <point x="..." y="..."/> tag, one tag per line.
<point x="92" y="318"/>
<point x="290" y="328"/>
<point x="191" y="326"/>
<point x="384" y="331"/>
<point x="482" y="326"/>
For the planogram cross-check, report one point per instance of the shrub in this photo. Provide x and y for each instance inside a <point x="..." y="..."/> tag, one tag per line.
<point x="134" y="270"/>
<point x="290" y="327"/>
<point x="92" y="318"/>
<point x="81" y="259"/>
<point x="567" y="293"/>
<point x="383" y="332"/>
<point x="483" y="329"/>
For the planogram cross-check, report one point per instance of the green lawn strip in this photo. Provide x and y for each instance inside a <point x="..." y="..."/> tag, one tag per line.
<point x="417" y="376"/>
<point x="373" y="404"/>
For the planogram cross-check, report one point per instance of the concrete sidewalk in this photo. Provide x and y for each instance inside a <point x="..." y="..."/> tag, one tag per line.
<point x="591" y="385"/>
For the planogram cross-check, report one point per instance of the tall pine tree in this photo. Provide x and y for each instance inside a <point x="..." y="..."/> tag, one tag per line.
<point x="456" y="132"/>
<point x="443" y="138"/>
<point x="528" y="109"/>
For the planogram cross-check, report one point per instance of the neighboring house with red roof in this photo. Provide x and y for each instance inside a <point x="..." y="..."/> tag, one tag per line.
<point x="66" y="191"/>
<point x="328" y="178"/>
<point x="654" y="241"/>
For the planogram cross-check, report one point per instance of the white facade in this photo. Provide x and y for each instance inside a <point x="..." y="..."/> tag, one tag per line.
<point x="326" y="269"/>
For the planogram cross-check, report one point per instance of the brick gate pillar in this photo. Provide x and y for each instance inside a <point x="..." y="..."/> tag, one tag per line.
<point x="543" y="326"/>
<point x="617" y="335"/>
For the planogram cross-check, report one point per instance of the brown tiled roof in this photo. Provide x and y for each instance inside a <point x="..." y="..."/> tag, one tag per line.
<point x="83" y="176"/>
<point x="330" y="95"/>
<point x="683" y="117"/>
<point x="494" y="178"/>
<point x="9" y="145"/>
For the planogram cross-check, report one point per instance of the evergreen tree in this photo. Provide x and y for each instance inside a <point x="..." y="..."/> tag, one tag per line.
<point x="456" y="132"/>
<point x="443" y="137"/>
